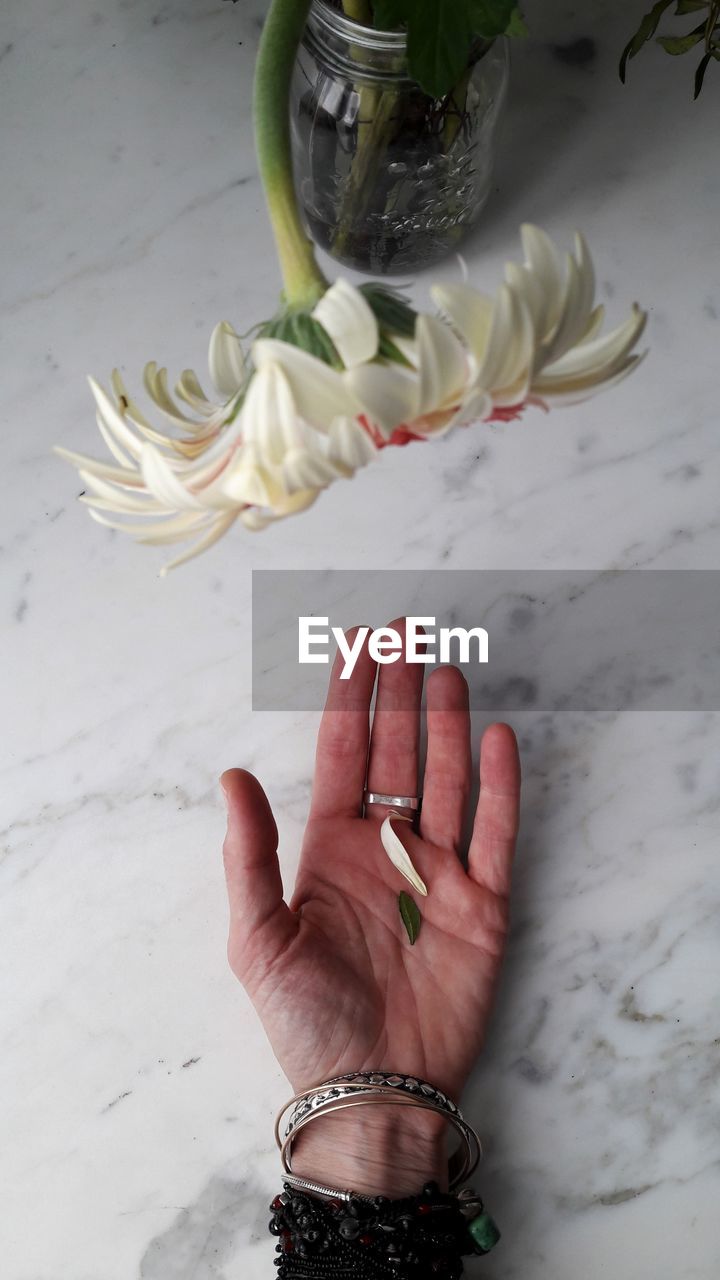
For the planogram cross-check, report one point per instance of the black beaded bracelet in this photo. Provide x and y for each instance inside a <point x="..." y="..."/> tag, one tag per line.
<point x="420" y="1237"/>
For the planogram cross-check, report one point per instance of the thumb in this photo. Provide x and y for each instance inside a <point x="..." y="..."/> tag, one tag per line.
<point x="260" y="922"/>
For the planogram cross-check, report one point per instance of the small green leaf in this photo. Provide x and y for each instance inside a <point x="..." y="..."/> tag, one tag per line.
<point x="645" y="32"/>
<point x="682" y="44"/>
<point x="701" y="69"/>
<point x="517" y="26"/>
<point x="411" y="917"/>
<point x="491" y="18"/>
<point x="390" y="308"/>
<point x="690" y="6"/>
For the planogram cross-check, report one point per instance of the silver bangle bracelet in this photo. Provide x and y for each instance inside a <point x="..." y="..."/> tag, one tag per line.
<point x="392" y="1082"/>
<point x="377" y="1088"/>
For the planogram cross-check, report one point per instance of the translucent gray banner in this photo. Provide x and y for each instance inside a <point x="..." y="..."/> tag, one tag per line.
<point x="636" y="640"/>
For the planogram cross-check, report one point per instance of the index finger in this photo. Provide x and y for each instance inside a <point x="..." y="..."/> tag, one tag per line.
<point x="343" y="738"/>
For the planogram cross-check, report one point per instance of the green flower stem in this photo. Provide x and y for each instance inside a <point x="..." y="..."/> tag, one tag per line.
<point x="377" y="109"/>
<point x="303" y="280"/>
<point x="457" y="104"/>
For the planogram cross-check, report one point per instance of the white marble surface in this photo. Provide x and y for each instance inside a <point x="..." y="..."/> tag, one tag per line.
<point x="136" y="1089"/>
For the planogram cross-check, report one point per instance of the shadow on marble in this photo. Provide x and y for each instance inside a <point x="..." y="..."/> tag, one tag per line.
<point x="205" y="1235"/>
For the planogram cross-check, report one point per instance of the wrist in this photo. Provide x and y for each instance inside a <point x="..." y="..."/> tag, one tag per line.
<point x="375" y="1150"/>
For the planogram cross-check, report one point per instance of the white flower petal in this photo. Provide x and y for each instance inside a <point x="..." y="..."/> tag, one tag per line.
<point x="510" y="345"/>
<point x="188" y="388"/>
<point x="389" y="394"/>
<point x="247" y="481"/>
<point x="586" y="268"/>
<point x="593" y="356"/>
<point x="348" y="319"/>
<point x="164" y="484"/>
<point x="118" y="475"/>
<point x="155" y="381"/>
<point x="119" y="507"/>
<point x="119" y="454"/>
<point x="113" y="420"/>
<point x="542" y="260"/>
<point x="129" y="411"/>
<point x="573" y="319"/>
<point x="595" y="324"/>
<point x="127" y="406"/>
<point x="269" y="415"/>
<point x="442" y="363"/>
<point x="319" y="392"/>
<point x="529" y="287"/>
<point x="95" y="511"/>
<point x="477" y="405"/>
<point x="221" y="526"/>
<point x="159" y="532"/>
<point x="397" y="854"/>
<point x="109" y="497"/>
<point x="575" y="390"/>
<point x="255" y="519"/>
<point x="469" y="312"/>
<point x="302" y="469"/>
<point x="220" y="446"/>
<point x="349" y="444"/>
<point x="226" y="360"/>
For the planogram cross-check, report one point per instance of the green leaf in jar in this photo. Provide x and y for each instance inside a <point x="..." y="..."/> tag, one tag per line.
<point x="440" y="34"/>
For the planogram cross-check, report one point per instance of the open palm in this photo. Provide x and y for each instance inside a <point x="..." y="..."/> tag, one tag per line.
<point x="332" y="975"/>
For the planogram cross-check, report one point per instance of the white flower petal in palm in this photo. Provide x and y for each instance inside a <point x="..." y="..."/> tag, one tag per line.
<point x="397" y="853"/>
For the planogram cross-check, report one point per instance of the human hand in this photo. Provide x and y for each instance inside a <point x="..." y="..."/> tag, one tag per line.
<point x="332" y="975"/>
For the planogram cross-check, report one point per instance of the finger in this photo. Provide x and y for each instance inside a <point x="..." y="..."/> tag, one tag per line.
<point x="448" y="762"/>
<point x="342" y="746"/>
<point x="395" y="735"/>
<point x="492" y="847"/>
<point x="261" y="924"/>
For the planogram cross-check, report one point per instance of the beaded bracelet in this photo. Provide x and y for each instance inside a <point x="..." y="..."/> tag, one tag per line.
<point x="370" y="1238"/>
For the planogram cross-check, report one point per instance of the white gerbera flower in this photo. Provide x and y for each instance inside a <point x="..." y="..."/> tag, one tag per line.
<point x="320" y="397"/>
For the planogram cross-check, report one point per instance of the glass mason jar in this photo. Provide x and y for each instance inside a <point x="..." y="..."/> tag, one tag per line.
<point x="387" y="177"/>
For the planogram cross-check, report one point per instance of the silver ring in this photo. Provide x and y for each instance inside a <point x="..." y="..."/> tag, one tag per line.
<point x="393" y="802"/>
